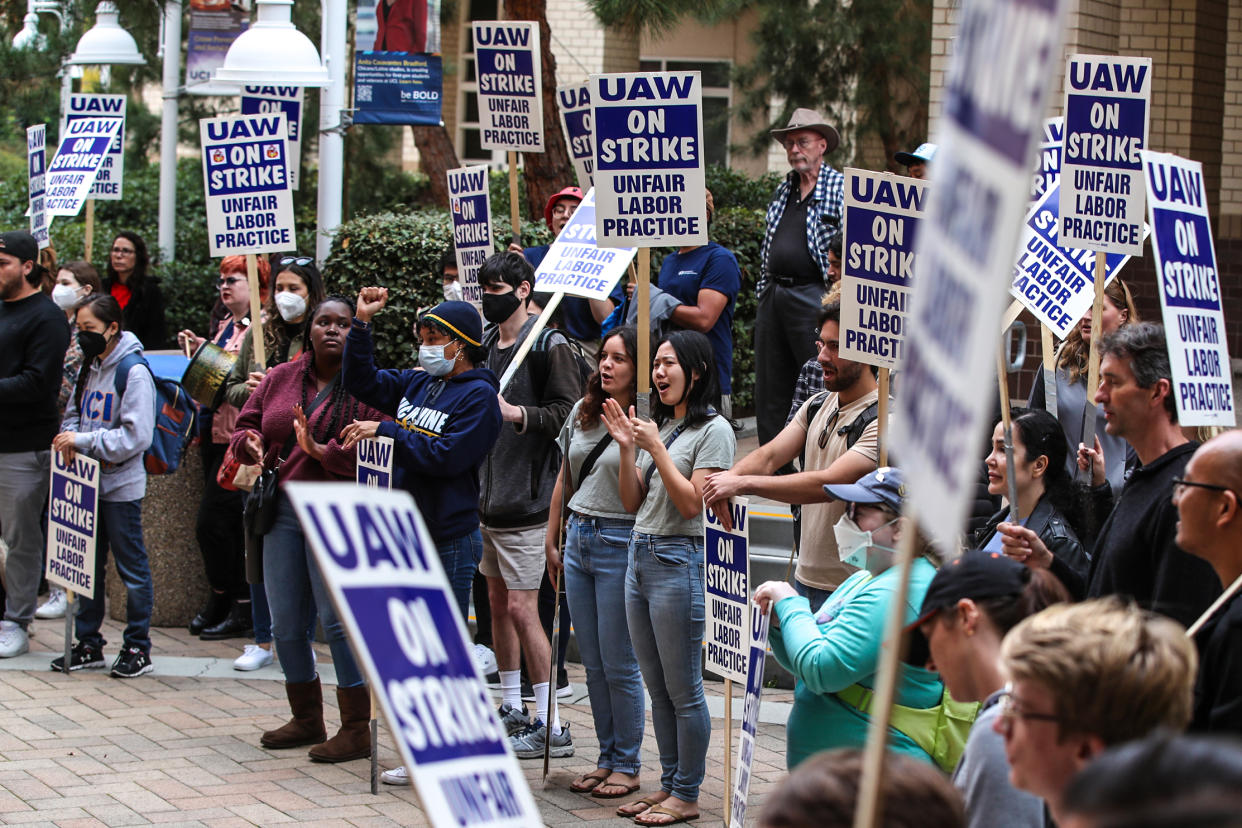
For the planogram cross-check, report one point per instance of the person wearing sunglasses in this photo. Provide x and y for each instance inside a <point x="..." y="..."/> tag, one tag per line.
<point x="970" y="605"/>
<point x="1083" y="678"/>
<point x="836" y="436"/>
<point x="833" y="649"/>
<point x="221" y="540"/>
<point x="128" y="281"/>
<point x="1209" y="526"/>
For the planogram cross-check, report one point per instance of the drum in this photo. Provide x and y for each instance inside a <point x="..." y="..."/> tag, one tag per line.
<point x="204" y="377"/>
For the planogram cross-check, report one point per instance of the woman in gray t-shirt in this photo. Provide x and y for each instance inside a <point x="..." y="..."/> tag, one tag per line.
<point x="597" y="538"/>
<point x="663" y="466"/>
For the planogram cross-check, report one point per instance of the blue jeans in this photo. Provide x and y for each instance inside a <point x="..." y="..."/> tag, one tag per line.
<point x="596" y="557"/>
<point x="295" y="588"/>
<point x="120" y="530"/>
<point x="261" y="613"/>
<point x="664" y="607"/>
<point x="460" y="558"/>
<point x="814" y="595"/>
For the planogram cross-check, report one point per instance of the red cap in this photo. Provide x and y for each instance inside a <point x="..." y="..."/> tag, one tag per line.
<point x="568" y="192"/>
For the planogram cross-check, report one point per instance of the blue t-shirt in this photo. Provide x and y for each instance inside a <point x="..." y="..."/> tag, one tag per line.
<point x="711" y="266"/>
<point x="576" y="317"/>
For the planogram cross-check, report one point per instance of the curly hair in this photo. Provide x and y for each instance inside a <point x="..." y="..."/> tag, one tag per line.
<point x="593" y="400"/>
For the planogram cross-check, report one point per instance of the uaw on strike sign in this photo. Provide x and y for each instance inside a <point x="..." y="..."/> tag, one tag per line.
<point x="384" y="574"/>
<point x="71" y="523"/>
<point x="509" y="67"/>
<point x="246" y="178"/>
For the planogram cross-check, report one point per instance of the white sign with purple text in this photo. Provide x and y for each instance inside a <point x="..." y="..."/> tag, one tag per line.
<point x="246" y="179"/>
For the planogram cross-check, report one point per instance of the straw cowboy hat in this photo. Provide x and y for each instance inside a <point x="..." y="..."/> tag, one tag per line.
<point x="812" y="120"/>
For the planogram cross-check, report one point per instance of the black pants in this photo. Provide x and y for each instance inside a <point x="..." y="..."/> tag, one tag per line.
<point x="784" y="340"/>
<point x="221" y="538"/>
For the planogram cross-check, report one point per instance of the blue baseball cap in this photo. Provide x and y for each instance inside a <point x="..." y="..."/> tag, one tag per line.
<point x="885" y="485"/>
<point x="461" y="319"/>
<point x="924" y="154"/>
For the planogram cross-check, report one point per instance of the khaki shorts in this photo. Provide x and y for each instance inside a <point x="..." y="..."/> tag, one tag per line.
<point x="516" y="555"/>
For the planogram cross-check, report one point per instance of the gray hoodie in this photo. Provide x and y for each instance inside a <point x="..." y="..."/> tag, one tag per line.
<point x="115" y="432"/>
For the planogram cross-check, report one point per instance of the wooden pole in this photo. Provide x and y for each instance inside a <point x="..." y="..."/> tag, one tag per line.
<point x="515" y="210"/>
<point x="1217" y="604"/>
<point x="1050" y="369"/>
<point x="374" y="742"/>
<point x="728" y="786"/>
<point x="256" y="319"/>
<point x="555" y="642"/>
<point x="882" y="416"/>
<point x="870" y="805"/>
<point x="1093" y="365"/>
<point x="642" y="295"/>
<point x="70" y="612"/>
<point x="1002" y="383"/>
<point x="89" y="239"/>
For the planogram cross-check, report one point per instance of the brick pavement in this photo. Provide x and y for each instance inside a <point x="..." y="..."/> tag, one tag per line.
<point x="90" y="750"/>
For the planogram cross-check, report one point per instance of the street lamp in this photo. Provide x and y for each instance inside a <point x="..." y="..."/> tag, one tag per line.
<point x="106" y="42"/>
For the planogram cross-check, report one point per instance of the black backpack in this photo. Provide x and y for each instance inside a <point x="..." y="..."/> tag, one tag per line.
<point x="540" y="363"/>
<point x="853" y="431"/>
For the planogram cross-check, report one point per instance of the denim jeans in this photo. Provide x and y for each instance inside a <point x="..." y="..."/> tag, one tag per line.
<point x="814" y="595"/>
<point x="295" y="588"/>
<point x="596" y="558"/>
<point x="460" y="559"/>
<point x="664" y="607"/>
<point x="261" y="613"/>
<point x="120" y="530"/>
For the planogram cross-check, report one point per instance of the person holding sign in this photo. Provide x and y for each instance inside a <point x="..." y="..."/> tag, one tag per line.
<point x="833" y="650"/>
<point x="135" y="289"/>
<point x="33" y="339"/>
<point x="112" y="419"/>
<point x="1072" y="392"/>
<point x="447" y="420"/>
<point x="595" y="557"/>
<point x="804" y="212"/>
<point x="662" y="468"/>
<point x="296" y="418"/>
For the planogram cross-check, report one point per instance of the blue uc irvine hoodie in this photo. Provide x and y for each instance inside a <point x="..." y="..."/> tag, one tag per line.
<point x="443" y="429"/>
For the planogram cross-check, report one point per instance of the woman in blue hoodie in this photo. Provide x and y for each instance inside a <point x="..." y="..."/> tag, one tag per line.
<point x="113" y="426"/>
<point x="446" y="418"/>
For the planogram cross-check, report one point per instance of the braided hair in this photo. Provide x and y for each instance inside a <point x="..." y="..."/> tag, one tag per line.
<point x="341" y="408"/>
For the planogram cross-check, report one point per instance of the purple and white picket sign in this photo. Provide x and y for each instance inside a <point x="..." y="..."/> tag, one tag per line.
<point x="727" y="587"/>
<point x="471" y="211"/>
<point x="374" y="462"/>
<point x="246" y="180"/>
<point x="509" y="67"/>
<point x="1048" y="168"/>
<point x="84" y="144"/>
<point x="72" y="520"/>
<point x="574" y="102"/>
<point x="36" y="175"/>
<point x="258" y="100"/>
<point x="750" y="714"/>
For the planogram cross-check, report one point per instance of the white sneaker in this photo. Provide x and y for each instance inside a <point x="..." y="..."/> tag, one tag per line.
<point x="485" y="658"/>
<point x="55" y="605"/>
<point x="396" y="776"/>
<point x="252" y="658"/>
<point x="13" y="640"/>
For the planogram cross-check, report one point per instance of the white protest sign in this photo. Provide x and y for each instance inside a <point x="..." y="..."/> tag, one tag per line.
<point x="36" y="169"/>
<point x="384" y="574"/>
<point x="1107" y="109"/>
<point x="260" y="100"/>
<point x="509" y="66"/>
<point x="650" y="188"/>
<point x="72" y="524"/>
<point x="1190" y="294"/>
<point x="471" y="210"/>
<point x="993" y="114"/>
<point x="1048" y="167"/>
<point x="882" y="218"/>
<point x="246" y="179"/>
<point x="1055" y="284"/>
<point x="374" y="466"/>
<point x="727" y="574"/>
<point x="108" y="183"/>
<point x="574" y="265"/>
<point x="758" y="638"/>
<point x="84" y="144"/>
<point x="574" y="103"/>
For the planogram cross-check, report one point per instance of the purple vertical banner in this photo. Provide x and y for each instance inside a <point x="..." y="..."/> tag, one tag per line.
<point x="213" y="28"/>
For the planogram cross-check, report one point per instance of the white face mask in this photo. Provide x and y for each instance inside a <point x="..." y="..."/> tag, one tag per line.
<point x="290" y="305"/>
<point x="66" y="296"/>
<point x="432" y="360"/>
<point x="452" y="291"/>
<point x="853" y="542"/>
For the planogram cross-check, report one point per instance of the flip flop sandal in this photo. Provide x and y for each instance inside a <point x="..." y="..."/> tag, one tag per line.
<point x="592" y="780"/>
<point x="627" y="810"/>
<point x="660" y="810"/>
<point x="628" y="789"/>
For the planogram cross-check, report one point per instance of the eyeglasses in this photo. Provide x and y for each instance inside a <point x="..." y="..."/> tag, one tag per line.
<point x="1009" y="709"/>
<point x="802" y="143"/>
<point x="828" y="425"/>
<point x="300" y="261"/>
<point x="1179" y="486"/>
<point x="229" y="282"/>
<point x="124" y="251"/>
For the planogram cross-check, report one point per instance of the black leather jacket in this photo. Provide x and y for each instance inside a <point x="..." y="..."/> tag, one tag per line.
<point x="1070" y="560"/>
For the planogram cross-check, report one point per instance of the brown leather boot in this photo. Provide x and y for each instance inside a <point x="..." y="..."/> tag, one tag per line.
<point x="306" y="726"/>
<point x="353" y="740"/>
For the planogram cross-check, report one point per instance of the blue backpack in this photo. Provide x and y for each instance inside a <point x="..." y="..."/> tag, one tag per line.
<point x="176" y="416"/>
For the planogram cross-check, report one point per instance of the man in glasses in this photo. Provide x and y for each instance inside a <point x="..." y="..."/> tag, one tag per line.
<point x="1085" y="677"/>
<point x="836" y="434"/>
<point x="1209" y="525"/>
<point x="1136" y="554"/>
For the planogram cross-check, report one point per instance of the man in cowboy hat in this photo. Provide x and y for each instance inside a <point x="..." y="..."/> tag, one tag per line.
<point x="805" y="212"/>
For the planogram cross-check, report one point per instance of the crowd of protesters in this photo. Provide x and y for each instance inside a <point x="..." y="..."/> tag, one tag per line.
<point x="1055" y="645"/>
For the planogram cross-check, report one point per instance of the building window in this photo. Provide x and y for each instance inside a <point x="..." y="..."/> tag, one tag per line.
<point x="469" y="136"/>
<point x="717" y="98"/>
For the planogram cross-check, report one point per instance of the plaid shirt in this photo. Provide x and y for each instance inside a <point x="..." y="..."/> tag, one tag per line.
<point x="827" y="199"/>
<point x="810" y="382"/>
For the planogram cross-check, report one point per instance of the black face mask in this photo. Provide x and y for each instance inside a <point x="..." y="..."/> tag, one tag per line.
<point x="92" y="344"/>
<point x="497" y="307"/>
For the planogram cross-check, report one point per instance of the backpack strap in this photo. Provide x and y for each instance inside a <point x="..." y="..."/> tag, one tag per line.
<point x="813" y="406"/>
<point x="854" y="431"/>
<point x="120" y="378"/>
